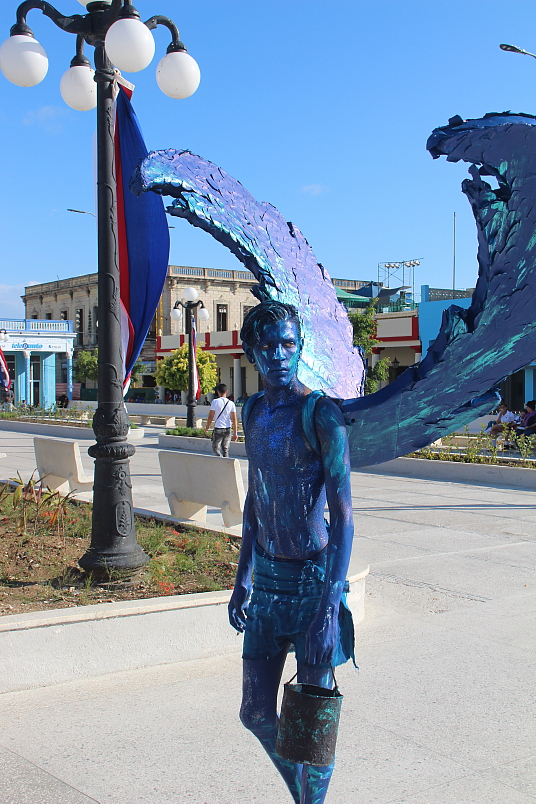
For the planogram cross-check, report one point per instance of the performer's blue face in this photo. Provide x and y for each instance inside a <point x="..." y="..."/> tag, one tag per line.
<point x="277" y="353"/>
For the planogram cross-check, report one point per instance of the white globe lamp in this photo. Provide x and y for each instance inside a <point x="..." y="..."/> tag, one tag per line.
<point x="23" y="60"/>
<point x="130" y="45"/>
<point x="190" y="294"/>
<point x="78" y="89"/>
<point x="85" y="3"/>
<point x="203" y="314"/>
<point x="178" y="75"/>
<point x="176" y="314"/>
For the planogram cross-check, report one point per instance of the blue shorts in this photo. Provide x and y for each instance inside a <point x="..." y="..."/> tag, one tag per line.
<point x="285" y="599"/>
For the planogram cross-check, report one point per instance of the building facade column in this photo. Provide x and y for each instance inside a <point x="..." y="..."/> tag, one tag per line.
<point x="48" y="381"/>
<point x="27" y="385"/>
<point x="69" y="356"/>
<point x="237" y="377"/>
<point x="418" y="353"/>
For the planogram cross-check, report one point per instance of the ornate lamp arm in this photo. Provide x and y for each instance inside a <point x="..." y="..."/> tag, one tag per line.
<point x="75" y="24"/>
<point x="176" y="44"/>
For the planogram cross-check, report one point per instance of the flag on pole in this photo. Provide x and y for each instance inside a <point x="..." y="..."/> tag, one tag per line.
<point x="197" y="386"/>
<point x="143" y="235"/>
<point x="5" y="379"/>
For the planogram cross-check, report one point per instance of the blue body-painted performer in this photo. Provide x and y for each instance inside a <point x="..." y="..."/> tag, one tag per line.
<point x="300" y="567"/>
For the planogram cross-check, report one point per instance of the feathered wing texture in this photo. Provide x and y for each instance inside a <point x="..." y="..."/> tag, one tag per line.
<point x="273" y="250"/>
<point x="476" y="348"/>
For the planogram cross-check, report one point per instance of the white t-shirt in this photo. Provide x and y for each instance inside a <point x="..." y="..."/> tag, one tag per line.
<point x="223" y="408"/>
<point x="508" y="417"/>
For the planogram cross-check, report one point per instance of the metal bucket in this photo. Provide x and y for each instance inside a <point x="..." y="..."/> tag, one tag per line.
<point x="309" y="723"/>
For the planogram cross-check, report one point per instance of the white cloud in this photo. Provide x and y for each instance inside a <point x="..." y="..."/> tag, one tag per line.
<point x="11" y="305"/>
<point x="47" y="117"/>
<point x="314" y="189"/>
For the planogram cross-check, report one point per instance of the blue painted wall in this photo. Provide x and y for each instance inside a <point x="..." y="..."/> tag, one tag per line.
<point x="430" y="314"/>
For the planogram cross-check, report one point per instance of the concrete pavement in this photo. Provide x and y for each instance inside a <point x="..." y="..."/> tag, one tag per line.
<point x="441" y="711"/>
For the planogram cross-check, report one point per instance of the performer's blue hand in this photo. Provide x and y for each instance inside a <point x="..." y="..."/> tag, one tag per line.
<point x="321" y="638"/>
<point x="238" y="606"/>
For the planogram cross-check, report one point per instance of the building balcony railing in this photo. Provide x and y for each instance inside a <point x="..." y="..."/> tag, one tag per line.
<point x="210" y="273"/>
<point x="35" y="325"/>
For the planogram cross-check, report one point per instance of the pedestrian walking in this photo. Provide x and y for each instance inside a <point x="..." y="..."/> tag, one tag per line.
<point x="223" y="414"/>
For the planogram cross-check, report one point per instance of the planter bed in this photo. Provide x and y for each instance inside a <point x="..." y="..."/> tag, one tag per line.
<point x="457" y="471"/>
<point x="39" y="648"/>
<point x="237" y="449"/>
<point x="76" y="432"/>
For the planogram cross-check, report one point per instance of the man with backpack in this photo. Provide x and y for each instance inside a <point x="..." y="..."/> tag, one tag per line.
<point x="223" y="414"/>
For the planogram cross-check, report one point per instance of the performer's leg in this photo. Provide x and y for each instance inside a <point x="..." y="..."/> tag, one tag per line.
<point x="315" y="778"/>
<point x="259" y="713"/>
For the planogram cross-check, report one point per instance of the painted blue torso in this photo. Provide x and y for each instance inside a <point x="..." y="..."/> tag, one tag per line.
<point x="286" y="481"/>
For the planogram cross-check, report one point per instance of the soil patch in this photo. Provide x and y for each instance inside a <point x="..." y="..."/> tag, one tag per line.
<point x="43" y="536"/>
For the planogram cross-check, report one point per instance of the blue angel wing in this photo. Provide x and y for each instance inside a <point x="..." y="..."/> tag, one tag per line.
<point x="274" y="251"/>
<point x="476" y="348"/>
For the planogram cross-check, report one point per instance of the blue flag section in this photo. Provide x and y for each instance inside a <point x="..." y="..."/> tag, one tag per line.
<point x="143" y="237"/>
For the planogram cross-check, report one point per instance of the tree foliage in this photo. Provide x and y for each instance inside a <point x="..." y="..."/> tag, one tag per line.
<point x="87" y="367"/>
<point x="364" y="326"/>
<point x="172" y="371"/>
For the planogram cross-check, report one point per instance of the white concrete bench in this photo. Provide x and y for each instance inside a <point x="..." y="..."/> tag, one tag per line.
<point x="168" y="421"/>
<point x="192" y="482"/>
<point x="59" y="465"/>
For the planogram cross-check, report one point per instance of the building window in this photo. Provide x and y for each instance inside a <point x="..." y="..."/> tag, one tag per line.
<point x="245" y="311"/>
<point x="221" y="318"/>
<point x="79" y="326"/>
<point x="34" y="317"/>
<point x="48" y="316"/>
<point x="64" y="315"/>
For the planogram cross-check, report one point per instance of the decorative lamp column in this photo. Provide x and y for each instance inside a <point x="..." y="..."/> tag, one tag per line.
<point x="69" y="355"/>
<point x="27" y="364"/>
<point x="189" y="304"/>
<point x="123" y="41"/>
<point x="237" y="377"/>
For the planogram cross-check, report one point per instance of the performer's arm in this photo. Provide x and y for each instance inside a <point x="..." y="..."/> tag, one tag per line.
<point x="321" y="638"/>
<point x="209" y="420"/>
<point x="242" y="589"/>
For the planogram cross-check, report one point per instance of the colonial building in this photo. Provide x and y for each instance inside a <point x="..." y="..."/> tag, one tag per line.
<point x="226" y="295"/>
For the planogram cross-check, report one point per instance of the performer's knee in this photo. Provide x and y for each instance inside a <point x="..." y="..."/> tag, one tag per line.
<point x="257" y="721"/>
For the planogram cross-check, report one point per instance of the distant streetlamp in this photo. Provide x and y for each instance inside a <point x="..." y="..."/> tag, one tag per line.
<point x="82" y="212"/>
<point x="514" y="49"/>
<point x="189" y="303"/>
<point x="120" y="38"/>
<point x="4" y="337"/>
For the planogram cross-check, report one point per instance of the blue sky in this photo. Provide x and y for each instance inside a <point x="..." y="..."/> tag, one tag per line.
<point x="321" y="109"/>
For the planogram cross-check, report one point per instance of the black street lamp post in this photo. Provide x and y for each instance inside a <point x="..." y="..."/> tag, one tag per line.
<point x="189" y="304"/>
<point x="23" y="61"/>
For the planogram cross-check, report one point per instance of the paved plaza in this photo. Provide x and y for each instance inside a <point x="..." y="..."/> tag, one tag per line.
<point x="440" y="712"/>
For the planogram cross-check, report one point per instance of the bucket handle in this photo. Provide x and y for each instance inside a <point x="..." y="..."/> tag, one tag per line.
<point x="336" y="686"/>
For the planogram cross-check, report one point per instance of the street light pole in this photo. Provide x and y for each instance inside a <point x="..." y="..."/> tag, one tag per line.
<point x="113" y="536"/>
<point x="189" y="304"/>
<point x="23" y="61"/>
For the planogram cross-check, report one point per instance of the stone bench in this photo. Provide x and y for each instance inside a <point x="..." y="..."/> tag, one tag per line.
<point x="59" y="465"/>
<point x="192" y="482"/>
